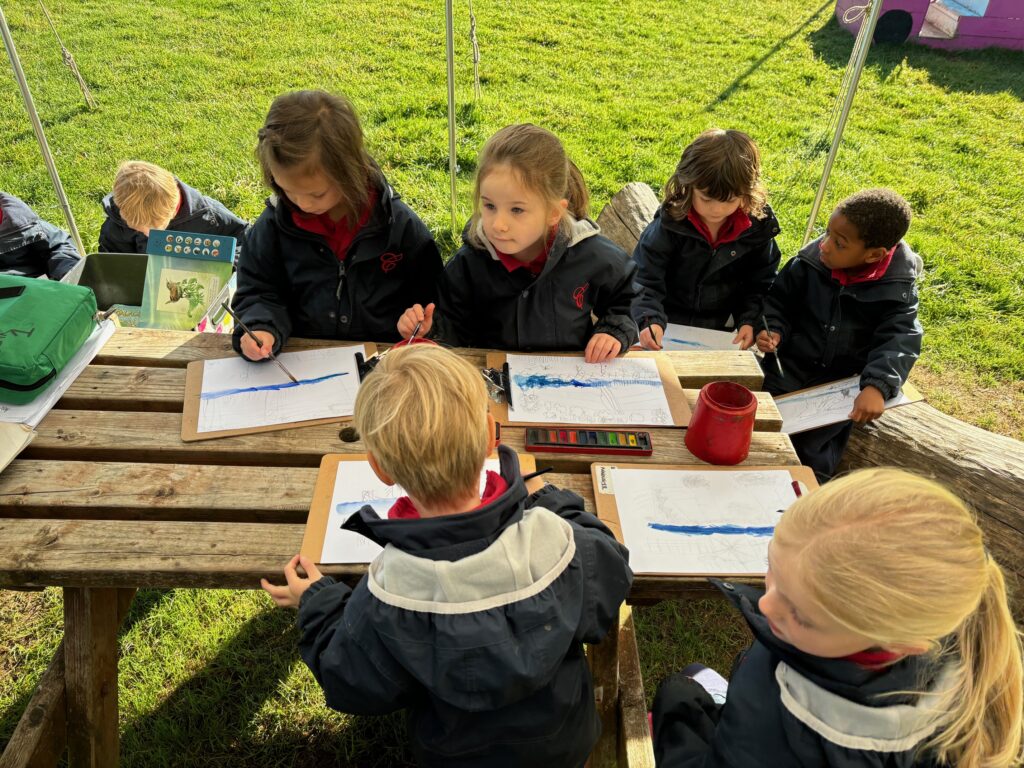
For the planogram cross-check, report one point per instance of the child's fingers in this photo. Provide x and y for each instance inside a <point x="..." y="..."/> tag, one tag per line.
<point x="428" y="320"/>
<point x="647" y="340"/>
<point x="657" y="333"/>
<point x="312" y="572"/>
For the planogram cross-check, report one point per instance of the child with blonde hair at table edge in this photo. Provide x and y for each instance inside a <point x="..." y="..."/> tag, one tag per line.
<point x="884" y="638"/>
<point x="533" y="270"/>
<point x="473" y="618"/>
<point x="336" y="253"/>
<point x="709" y="256"/>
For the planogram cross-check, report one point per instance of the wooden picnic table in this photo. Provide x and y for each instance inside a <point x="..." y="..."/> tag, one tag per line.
<point x="108" y="499"/>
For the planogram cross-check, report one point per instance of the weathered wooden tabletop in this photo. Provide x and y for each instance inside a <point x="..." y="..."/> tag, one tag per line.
<point x="108" y="499"/>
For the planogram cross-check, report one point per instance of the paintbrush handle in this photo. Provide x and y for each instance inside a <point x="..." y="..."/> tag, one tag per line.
<point x="259" y="342"/>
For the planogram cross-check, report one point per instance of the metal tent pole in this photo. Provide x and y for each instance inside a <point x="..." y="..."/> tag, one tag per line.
<point x="452" y="165"/>
<point x="860" y="55"/>
<point x="37" y="126"/>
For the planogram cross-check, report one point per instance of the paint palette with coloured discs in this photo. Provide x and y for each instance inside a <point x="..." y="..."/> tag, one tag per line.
<point x="185" y="273"/>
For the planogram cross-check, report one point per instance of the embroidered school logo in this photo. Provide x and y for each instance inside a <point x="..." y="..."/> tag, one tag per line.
<point x="389" y="261"/>
<point x="578" y="295"/>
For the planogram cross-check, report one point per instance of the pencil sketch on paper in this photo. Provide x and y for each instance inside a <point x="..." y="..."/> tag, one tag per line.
<point x="568" y="390"/>
<point x="355" y="486"/>
<point x="238" y="394"/>
<point x="699" y="521"/>
<point x="690" y="338"/>
<point x="828" y="404"/>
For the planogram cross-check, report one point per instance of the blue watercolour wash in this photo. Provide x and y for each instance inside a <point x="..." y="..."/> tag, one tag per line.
<point x="269" y="387"/>
<point x="686" y="343"/>
<point x="543" y="381"/>
<point x="708" y="530"/>
<point x="347" y="508"/>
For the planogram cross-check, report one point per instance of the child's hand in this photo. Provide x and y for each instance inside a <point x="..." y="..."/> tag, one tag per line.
<point x="868" y="406"/>
<point x="601" y="347"/>
<point x="650" y="337"/>
<point x="768" y="342"/>
<point x="289" y="596"/>
<point x="251" y="351"/>
<point x="744" y="336"/>
<point x="413" y="315"/>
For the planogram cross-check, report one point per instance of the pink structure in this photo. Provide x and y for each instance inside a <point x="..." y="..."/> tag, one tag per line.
<point x="951" y="24"/>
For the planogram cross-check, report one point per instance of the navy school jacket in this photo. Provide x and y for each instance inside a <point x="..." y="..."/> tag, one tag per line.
<point x="482" y="304"/>
<point x="474" y="623"/>
<point x="198" y="213"/>
<point x="30" y="246"/>
<point x="830" y="331"/>
<point x="291" y="284"/>
<point x="788" y="709"/>
<point x="687" y="281"/>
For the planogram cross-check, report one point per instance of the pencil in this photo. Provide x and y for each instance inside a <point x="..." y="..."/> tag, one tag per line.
<point x="259" y="343"/>
<point x="766" y="330"/>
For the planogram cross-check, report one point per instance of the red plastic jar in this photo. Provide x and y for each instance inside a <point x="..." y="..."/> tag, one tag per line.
<point x="722" y="423"/>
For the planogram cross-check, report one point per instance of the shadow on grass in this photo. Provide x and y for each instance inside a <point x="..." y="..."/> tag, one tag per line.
<point x="145" y="601"/>
<point x="233" y="713"/>
<point x="993" y="70"/>
<point x="48" y="122"/>
<point x="738" y="82"/>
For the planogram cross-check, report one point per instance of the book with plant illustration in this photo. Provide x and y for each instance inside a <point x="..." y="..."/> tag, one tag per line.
<point x="185" y="273"/>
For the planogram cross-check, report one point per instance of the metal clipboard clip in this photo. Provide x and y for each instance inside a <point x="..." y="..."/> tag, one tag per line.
<point x="499" y="384"/>
<point x="365" y="365"/>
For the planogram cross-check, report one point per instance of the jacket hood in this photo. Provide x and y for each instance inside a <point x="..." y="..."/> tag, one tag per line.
<point x="17" y="215"/>
<point x="508" y="602"/>
<point x="905" y="264"/>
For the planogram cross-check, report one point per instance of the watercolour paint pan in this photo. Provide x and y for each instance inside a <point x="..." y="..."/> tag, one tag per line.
<point x="538" y="374"/>
<point x="344" y="485"/>
<point x="273" y="404"/>
<point x="684" y="525"/>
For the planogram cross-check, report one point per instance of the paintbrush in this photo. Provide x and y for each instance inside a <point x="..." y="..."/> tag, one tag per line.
<point x="415" y="330"/>
<point x="776" y="351"/>
<point x="259" y="342"/>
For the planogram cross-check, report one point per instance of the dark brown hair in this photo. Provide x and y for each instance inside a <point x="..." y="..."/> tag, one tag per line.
<point x="318" y="131"/>
<point x="880" y="216"/>
<point x="538" y="158"/>
<point x="724" y="164"/>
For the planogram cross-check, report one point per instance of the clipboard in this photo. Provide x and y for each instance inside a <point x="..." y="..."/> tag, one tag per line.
<point x="193" y="389"/>
<point x="909" y="394"/>
<point x="323" y="494"/>
<point x="608" y="511"/>
<point x="677" y="405"/>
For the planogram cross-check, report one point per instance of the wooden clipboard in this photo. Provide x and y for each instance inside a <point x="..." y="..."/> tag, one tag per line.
<point x="608" y="510"/>
<point x="912" y="393"/>
<point x="194" y="387"/>
<point x="677" y="404"/>
<point x="323" y="493"/>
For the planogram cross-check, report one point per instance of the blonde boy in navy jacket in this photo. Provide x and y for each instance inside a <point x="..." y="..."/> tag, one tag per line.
<point x="474" y="616"/>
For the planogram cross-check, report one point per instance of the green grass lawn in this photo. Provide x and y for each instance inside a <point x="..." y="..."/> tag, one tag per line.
<point x="208" y="675"/>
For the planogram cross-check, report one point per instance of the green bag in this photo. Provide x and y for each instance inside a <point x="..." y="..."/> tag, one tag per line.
<point x="43" y="324"/>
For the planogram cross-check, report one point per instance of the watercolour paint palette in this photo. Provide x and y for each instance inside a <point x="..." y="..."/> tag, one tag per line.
<point x="696" y="520"/>
<point x="234" y="396"/>
<point x="346" y="484"/>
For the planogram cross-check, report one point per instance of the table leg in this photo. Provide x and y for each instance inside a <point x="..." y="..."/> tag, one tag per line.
<point x="90" y="674"/>
<point x="604" y="666"/>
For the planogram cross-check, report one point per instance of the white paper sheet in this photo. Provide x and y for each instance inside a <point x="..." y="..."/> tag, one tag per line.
<point x="32" y="413"/>
<point x="700" y="522"/>
<point x="239" y="394"/>
<point x="690" y="338"/>
<point x="568" y="390"/>
<point x="827" y="404"/>
<point x="355" y="486"/>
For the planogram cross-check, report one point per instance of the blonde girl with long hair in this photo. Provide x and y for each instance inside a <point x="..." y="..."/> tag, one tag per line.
<point x="533" y="270"/>
<point x="884" y="638"/>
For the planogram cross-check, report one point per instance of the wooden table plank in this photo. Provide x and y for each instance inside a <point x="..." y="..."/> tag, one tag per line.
<point x="176" y="349"/>
<point x="155" y="437"/>
<point x="135" y="388"/>
<point x="168" y="554"/>
<point x="109" y="490"/>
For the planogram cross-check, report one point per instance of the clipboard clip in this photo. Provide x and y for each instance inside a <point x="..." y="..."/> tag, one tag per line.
<point x="499" y="384"/>
<point x="365" y="365"/>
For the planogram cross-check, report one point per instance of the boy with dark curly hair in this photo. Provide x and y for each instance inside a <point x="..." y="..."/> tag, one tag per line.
<point x="846" y="305"/>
